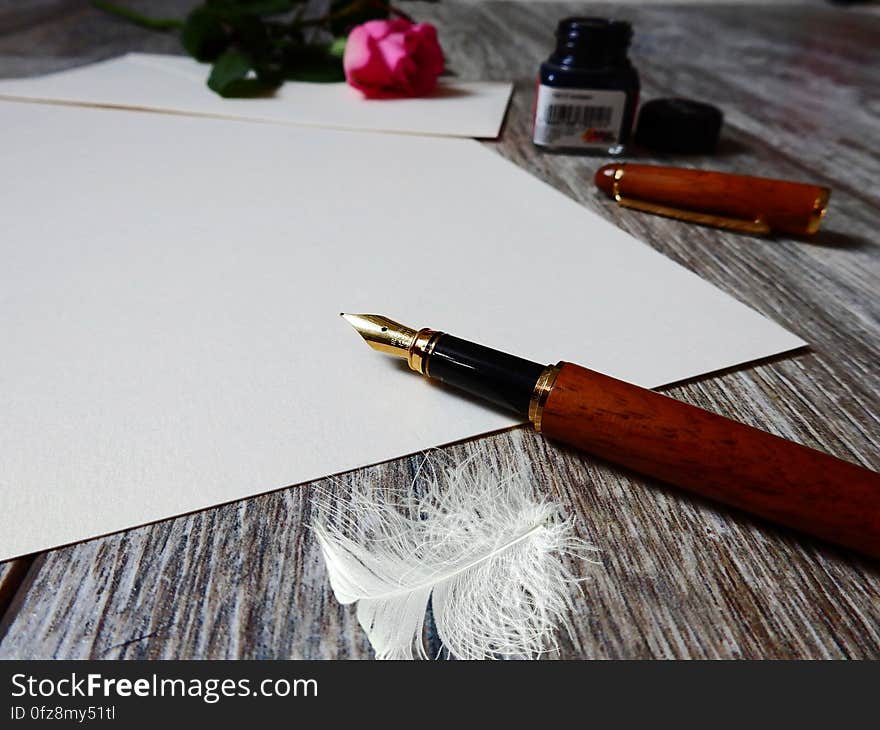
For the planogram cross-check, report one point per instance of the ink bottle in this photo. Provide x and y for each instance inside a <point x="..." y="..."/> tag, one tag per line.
<point x="588" y="89"/>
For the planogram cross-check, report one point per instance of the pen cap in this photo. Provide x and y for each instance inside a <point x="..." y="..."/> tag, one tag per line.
<point x="679" y="125"/>
<point x="740" y="202"/>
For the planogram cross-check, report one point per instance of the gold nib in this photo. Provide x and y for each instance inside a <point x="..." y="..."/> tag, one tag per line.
<point x="382" y="334"/>
<point x="386" y="335"/>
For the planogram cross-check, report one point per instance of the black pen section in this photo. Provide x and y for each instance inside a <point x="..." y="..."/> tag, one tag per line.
<point x="495" y="376"/>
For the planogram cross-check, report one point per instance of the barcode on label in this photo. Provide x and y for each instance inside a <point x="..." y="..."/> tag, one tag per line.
<point x="578" y="115"/>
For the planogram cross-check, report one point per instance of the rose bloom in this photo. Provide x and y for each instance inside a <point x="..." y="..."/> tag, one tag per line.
<point x="389" y="58"/>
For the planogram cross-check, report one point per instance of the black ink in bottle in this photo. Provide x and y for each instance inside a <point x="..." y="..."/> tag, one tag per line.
<point x="588" y="89"/>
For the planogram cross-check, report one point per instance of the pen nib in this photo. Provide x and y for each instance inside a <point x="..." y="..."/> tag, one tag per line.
<point x="381" y="333"/>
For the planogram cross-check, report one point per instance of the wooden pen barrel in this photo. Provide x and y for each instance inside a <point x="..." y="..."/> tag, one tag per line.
<point x="786" y="207"/>
<point x="715" y="457"/>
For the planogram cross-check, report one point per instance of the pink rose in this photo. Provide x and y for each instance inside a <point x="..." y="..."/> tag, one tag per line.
<point x="388" y="58"/>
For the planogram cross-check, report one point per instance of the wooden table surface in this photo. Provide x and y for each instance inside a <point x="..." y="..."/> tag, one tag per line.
<point x="679" y="577"/>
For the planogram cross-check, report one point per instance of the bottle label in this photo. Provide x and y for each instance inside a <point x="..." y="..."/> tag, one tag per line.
<point x="585" y="118"/>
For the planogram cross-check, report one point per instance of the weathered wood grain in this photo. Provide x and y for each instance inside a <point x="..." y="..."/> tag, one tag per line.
<point x="12" y="575"/>
<point x="680" y="577"/>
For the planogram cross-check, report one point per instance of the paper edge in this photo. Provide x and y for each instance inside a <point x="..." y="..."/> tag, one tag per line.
<point x="516" y="423"/>
<point x="137" y="59"/>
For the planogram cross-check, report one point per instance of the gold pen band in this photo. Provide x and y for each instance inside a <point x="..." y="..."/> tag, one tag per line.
<point x="541" y="393"/>
<point x="419" y="353"/>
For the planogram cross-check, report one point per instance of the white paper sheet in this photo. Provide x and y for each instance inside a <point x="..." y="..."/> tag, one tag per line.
<point x="170" y="290"/>
<point x="177" y="84"/>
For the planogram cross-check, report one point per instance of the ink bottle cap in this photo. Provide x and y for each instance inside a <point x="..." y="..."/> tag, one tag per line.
<point x="591" y="43"/>
<point x="587" y="89"/>
<point x="679" y="125"/>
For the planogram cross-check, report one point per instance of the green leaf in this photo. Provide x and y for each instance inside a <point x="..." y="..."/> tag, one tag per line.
<point x="337" y="47"/>
<point x="204" y="35"/>
<point x="252" y="7"/>
<point x="252" y="35"/>
<point x="318" y="73"/>
<point x="144" y="21"/>
<point x="234" y="76"/>
<point x="266" y="7"/>
<point x="313" y="63"/>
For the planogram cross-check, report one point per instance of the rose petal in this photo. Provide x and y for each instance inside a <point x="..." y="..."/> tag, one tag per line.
<point x="385" y="58"/>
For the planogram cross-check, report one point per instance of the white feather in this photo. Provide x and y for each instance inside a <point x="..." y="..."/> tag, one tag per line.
<point x="477" y="540"/>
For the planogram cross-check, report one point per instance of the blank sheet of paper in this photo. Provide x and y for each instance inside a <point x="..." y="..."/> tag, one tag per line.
<point x="170" y="290"/>
<point x="177" y="84"/>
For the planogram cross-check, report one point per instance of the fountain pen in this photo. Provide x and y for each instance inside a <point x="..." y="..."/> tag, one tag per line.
<point x="653" y="434"/>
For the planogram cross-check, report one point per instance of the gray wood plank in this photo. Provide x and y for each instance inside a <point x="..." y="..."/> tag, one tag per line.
<point x="680" y="577"/>
<point x="13" y="574"/>
<point x="208" y="581"/>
